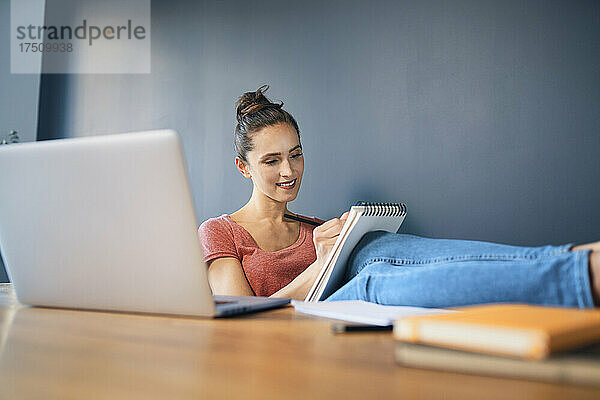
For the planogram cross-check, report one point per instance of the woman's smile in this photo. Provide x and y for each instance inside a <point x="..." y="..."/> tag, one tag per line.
<point x="287" y="185"/>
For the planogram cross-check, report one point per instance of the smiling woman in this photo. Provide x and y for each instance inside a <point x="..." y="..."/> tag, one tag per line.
<point x="258" y="251"/>
<point x="277" y="173"/>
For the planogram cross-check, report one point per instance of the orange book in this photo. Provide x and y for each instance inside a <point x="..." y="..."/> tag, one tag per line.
<point x="516" y="330"/>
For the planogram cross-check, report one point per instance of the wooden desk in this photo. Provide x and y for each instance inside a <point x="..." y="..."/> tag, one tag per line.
<point x="50" y="354"/>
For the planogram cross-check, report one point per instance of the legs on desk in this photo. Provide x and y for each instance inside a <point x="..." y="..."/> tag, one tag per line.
<point x="400" y="269"/>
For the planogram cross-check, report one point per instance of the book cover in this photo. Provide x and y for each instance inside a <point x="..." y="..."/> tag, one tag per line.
<point x="577" y="367"/>
<point x="516" y="330"/>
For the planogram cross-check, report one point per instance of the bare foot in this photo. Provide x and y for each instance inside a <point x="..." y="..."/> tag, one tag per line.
<point x="589" y="246"/>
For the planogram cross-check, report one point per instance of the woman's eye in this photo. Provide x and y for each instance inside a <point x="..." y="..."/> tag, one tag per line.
<point x="296" y="155"/>
<point x="270" y="162"/>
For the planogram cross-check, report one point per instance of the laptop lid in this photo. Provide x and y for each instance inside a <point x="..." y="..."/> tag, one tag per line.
<point x="102" y="222"/>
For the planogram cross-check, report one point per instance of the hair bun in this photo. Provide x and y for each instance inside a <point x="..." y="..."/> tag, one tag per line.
<point x="254" y="112"/>
<point x="251" y="102"/>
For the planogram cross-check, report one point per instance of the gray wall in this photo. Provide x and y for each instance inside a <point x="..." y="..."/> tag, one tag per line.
<point x="18" y="96"/>
<point x="482" y="116"/>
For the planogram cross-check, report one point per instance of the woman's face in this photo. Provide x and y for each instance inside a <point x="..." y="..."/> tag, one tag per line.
<point x="276" y="163"/>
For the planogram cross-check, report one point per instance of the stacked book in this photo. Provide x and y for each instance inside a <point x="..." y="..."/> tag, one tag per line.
<point x="512" y="340"/>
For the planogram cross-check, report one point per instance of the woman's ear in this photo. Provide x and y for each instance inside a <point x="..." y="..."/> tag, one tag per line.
<point x="242" y="167"/>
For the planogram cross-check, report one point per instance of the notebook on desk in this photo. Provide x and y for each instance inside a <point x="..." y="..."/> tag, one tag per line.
<point x="107" y="223"/>
<point x="512" y="330"/>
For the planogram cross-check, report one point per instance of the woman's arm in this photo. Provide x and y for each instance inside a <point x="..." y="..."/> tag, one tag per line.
<point x="226" y="277"/>
<point x="300" y="286"/>
<point x="324" y="237"/>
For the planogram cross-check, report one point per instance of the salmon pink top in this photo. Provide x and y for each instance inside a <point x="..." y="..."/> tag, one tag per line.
<point x="266" y="271"/>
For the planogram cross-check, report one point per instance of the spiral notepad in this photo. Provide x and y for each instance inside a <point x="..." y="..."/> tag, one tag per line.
<point x="363" y="217"/>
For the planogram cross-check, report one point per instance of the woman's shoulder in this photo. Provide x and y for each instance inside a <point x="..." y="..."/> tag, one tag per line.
<point x="217" y="225"/>
<point x="217" y="238"/>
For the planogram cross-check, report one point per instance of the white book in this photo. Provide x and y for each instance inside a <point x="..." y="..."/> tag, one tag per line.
<point x="363" y="312"/>
<point x="363" y="217"/>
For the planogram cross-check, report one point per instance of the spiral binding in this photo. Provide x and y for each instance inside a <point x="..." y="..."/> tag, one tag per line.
<point x="382" y="209"/>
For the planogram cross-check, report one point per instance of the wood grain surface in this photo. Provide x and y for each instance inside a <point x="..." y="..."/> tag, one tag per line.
<point x="68" y="354"/>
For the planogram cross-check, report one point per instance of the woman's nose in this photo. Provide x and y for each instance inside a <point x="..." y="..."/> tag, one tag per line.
<point x="286" y="169"/>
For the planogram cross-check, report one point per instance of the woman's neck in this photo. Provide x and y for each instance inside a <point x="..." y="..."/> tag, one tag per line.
<point x="261" y="207"/>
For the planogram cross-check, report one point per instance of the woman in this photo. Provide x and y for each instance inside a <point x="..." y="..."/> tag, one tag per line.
<point x="256" y="251"/>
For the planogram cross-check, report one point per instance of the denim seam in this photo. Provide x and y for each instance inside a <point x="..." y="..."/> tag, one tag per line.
<point x="400" y="262"/>
<point x="580" y="286"/>
<point x="491" y="257"/>
<point x="584" y="298"/>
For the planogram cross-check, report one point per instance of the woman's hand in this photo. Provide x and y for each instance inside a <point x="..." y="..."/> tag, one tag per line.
<point x="325" y="235"/>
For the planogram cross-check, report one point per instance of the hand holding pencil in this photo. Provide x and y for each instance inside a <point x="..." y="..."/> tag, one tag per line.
<point x="326" y="234"/>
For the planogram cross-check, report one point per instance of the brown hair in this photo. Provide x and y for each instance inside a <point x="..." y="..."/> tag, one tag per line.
<point x="253" y="111"/>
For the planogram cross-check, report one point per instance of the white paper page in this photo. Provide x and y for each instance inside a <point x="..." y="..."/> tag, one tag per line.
<point x="325" y="274"/>
<point x="363" y="312"/>
<point x="363" y="225"/>
<point x="326" y="271"/>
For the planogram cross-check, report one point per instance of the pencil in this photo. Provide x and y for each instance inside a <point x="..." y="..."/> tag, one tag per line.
<point x="344" y="328"/>
<point x="296" y="218"/>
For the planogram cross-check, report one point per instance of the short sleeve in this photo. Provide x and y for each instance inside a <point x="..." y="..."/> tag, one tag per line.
<point x="217" y="240"/>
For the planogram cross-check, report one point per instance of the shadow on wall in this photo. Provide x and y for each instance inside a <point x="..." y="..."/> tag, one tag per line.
<point x="3" y="276"/>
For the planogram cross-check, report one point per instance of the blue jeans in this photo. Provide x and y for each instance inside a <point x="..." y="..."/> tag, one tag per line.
<point x="400" y="269"/>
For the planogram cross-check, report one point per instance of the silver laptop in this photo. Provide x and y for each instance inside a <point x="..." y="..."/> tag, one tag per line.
<point x="107" y="223"/>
